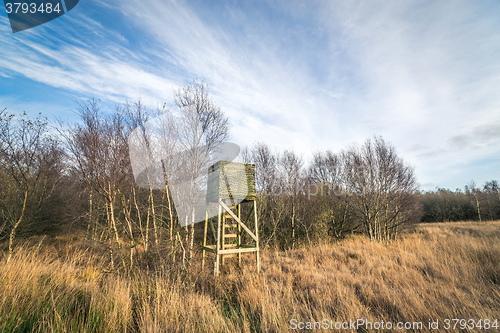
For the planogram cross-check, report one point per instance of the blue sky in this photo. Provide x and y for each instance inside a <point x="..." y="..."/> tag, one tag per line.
<point x="301" y="75"/>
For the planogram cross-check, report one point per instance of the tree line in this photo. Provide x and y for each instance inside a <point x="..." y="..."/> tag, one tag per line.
<point x="473" y="203"/>
<point x="78" y="177"/>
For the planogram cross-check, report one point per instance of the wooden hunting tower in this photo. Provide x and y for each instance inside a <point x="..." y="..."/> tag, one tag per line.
<point x="229" y="186"/>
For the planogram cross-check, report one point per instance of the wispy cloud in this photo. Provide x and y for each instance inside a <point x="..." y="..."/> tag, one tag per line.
<point x="95" y="65"/>
<point x="307" y="76"/>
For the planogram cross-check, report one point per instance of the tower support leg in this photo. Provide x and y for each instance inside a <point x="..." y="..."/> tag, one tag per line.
<point x="217" y="246"/>
<point x="204" y="241"/>
<point x="257" y="257"/>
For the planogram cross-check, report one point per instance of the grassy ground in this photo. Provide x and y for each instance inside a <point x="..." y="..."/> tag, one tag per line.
<point x="435" y="271"/>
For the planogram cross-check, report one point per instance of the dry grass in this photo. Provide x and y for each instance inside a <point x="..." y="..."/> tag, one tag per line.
<point x="436" y="271"/>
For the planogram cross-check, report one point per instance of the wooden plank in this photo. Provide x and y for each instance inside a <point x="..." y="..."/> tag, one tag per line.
<point x="210" y="248"/>
<point x="249" y="214"/>
<point x="232" y="249"/>
<point x="213" y="228"/>
<point x="211" y="222"/>
<point x="242" y="250"/>
<point x="238" y="220"/>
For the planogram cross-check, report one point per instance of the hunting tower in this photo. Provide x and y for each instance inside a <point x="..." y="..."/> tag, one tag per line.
<point x="230" y="185"/>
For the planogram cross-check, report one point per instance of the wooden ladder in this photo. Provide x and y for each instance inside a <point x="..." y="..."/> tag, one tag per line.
<point x="228" y="234"/>
<point x="231" y="234"/>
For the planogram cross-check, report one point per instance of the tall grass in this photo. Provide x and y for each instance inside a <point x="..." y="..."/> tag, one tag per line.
<point x="436" y="271"/>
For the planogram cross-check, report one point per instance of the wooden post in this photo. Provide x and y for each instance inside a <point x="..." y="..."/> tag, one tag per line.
<point x="204" y="240"/>
<point x="217" y="246"/>
<point x="239" y="234"/>
<point x="256" y="234"/>
<point x="223" y="245"/>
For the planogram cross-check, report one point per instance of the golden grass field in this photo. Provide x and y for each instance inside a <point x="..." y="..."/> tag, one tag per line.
<point x="434" y="271"/>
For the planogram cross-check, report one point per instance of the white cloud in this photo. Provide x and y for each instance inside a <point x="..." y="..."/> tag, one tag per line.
<point x="309" y="76"/>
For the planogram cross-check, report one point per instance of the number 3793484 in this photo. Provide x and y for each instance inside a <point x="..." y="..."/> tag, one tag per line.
<point x="25" y="7"/>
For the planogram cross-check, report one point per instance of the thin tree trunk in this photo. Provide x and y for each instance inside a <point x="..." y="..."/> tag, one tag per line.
<point x="478" y="209"/>
<point x="90" y="215"/>
<point x="169" y="206"/>
<point x="111" y="253"/>
<point x="183" y="251"/>
<point x="154" y="216"/>
<point x="191" y="244"/>
<point x="115" y="229"/>
<point x="293" y="223"/>
<point x="171" y="217"/>
<point x="146" y="244"/>
<point x="113" y="221"/>
<point x="140" y="219"/>
<point x="186" y="229"/>
<point x="126" y="214"/>
<point x="14" y="228"/>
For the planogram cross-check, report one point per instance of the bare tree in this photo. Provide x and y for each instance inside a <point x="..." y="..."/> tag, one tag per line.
<point x="383" y="186"/>
<point x="327" y="172"/>
<point x="291" y="167"/>
<point x="28" y="159"/>
<point x="168" y="134"/>
<point x="326" y="168"/>
<point x="493" y="187"/>
<point x="154" y="148"/>
<point x="266" y="164"/>
<point x="209" y="119"/>
<point x="99" y="152"/>
<point x="471" y="188"/>
<point x="202" y="126"/>
<point x="269" y="185"/>
<point x="491" y="190"/>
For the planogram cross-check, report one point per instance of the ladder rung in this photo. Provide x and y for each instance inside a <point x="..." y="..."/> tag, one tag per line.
<point x="231" y="225"/>
<point x="230" y="235"/>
